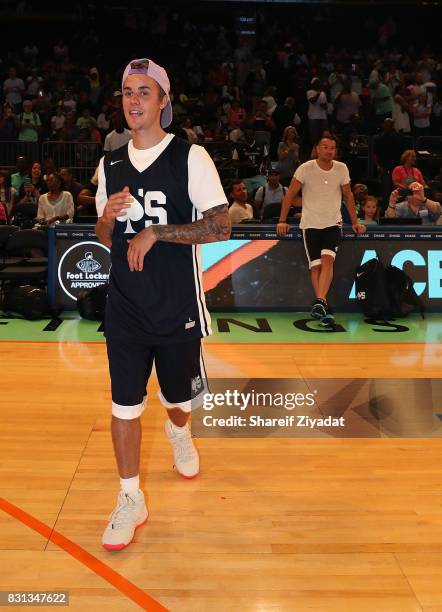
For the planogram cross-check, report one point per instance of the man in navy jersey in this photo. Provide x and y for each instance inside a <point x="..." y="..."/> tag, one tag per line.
<point x="158" y="198"/>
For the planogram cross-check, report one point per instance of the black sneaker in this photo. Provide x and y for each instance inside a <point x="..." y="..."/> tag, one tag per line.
<point x="328" y="320"/>
<point x="319" y="309"/>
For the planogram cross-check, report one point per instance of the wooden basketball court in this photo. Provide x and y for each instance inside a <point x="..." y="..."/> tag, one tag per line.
<point x="268" y="525"/>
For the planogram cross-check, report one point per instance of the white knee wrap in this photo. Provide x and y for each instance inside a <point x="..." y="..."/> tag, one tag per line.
<point x="128" y="412"/>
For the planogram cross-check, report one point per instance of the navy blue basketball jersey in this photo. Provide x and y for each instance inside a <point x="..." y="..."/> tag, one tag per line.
<point x="164" y="303"/>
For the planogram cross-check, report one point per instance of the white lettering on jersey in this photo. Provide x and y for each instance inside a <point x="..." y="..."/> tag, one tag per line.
<point x="136" y="211"/>
<point x="155" y="211"/>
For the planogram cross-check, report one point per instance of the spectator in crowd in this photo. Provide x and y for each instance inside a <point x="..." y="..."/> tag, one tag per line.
<point x="36" y="177"/>
<point x="95" y="87"/>
<point x="284" y="115"/>
<point x="270" y="193"/>
<point x="317" y="110"/>
<point x="393" y="78"/>
<point x="382" y="100"/>
<point x="94" y="132"/>
<point x="416" y="205"/>
<point x="13" y="88"/>
<point x="240" y="209"/>
<point x="43" y="105"/>
<point x="262" y="124"/>
<point x="119" y="135"/>
<point x="115" y="102"/>
<point x="360" y="194"/>
<point x="288" y="154"/>
<point x="85" y="119"/>
<point x="337" y="81"/>
<point x="236" y="135"/>
<point x="3" y="214"/>
<point x="33" y="83"/>
<point x="401" y="112"/>
<point x="28" y="193"/>
<point x="86" y="198"/>
<point x="407" y="173"/>
<point x="56" y="204"/>
<point x="369" y="211"/>
<point x="103" y="120"/>
<point x="25" y="211"/>
<point x="72" y="131"/>
<point x="236" y="115"/>
<point x="347" y="104"/>
<point x="29" y="123"/>
<point x="255" y="84"/>
<point x="421" y="115"/>
<point x="269" y="99"/>
<point x="7" y="196"/>
<point x="70" y="184"/>
<point x="48" y="167"/>
<point x="69" y="102"/>
<point x="180" y="102"/>
<point x="187" y="126"/>
<point x="19" y="177"/>
<point x="354" y="149"/>
<point x="57" y="121"/>
<point x="36" y="180"/>
<point x="8" y="123"/>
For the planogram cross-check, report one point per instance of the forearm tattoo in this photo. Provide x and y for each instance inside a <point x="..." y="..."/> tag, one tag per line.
<point x="213" y="227"/>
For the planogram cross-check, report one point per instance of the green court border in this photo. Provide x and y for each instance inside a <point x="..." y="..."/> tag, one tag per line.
<point x="246" y="327"/>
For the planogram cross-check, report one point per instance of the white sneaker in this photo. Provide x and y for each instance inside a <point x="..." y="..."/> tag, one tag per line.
<point x="130" y="513"/>
<point x="187" y="461"/>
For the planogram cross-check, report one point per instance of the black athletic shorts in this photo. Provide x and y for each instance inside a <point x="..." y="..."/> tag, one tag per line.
<point x="319" y="242"/>
<point x="179" y="367"/>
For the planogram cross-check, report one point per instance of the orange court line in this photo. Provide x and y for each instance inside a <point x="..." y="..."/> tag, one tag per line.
<point x="231" y="262"/>
<point x="137" y="595"/>
<point x="294" y="343"/>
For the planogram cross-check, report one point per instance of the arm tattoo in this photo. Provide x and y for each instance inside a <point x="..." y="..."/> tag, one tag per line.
<point x="213" y="227"/>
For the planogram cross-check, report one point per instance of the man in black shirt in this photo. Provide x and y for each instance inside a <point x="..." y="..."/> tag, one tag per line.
<point x="158" y="198"/>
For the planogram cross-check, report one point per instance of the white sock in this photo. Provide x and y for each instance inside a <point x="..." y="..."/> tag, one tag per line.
<point x="130" y="485"/>
<point x="176" y="429"/>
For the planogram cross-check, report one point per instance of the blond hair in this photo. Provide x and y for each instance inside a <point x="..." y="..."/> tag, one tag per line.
<point x="371" y="198"/>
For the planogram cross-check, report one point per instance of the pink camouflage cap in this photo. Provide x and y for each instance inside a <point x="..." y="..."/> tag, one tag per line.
<point x="158" y="74"/>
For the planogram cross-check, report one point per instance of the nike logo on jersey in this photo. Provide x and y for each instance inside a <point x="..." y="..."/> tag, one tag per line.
<point x="358" y="274"/>
<point x="116" y="162"/>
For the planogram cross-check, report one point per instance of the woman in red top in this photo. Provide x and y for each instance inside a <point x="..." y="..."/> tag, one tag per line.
<point x="407" y="173"/>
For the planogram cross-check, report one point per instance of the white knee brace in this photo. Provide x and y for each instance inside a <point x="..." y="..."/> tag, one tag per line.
<point x="128" y="412"/>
